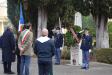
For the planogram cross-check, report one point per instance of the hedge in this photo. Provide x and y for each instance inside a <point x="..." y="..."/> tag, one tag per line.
<point x="65" y="54"/>
<point x="103" y="55"/>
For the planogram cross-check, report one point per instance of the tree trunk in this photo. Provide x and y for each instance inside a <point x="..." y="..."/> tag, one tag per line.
<point x="60" y="25"/>
<point x="42" y="20"/>
<point x="102" y="37"/>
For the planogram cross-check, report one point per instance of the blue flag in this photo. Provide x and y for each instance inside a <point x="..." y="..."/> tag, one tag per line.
<point x="21" y="19"/>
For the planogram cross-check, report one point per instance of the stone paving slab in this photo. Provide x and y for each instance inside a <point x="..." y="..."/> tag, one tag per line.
<point x="65" y="69"/>
<point x="95" y="69"/>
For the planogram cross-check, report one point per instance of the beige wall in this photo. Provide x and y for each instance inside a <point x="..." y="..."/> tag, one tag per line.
<point x="1" y="28"/>
<point x="3" y="11"/>
<point x="3" y="15"/>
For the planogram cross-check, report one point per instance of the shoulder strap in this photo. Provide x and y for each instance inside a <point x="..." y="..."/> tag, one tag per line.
<point x="25" y="35"/>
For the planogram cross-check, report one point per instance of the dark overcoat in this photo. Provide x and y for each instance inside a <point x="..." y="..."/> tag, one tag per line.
<point x="8" y="46"/>
<point x="0" y="41"/>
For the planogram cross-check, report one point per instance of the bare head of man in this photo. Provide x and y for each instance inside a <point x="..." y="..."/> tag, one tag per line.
<point x="44" y="32"/>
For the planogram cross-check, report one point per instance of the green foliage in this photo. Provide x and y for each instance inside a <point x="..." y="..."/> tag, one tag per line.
<point x="110" y="33"/>
<point x="110" y="40"/>
<point x="13" y="12"/>
<point x="82" y="6"/>
<point x="96" y="7"/>
<point x="63" y="9"/>
<point x="67" y="12"/>
<point x="69" y="40"/>
<point x="110" y="27"/>
<point x="103" y="55"/>
<point x="41" y="3"/>
<point x="88" y="22"/>
<point x="103" y="7"/>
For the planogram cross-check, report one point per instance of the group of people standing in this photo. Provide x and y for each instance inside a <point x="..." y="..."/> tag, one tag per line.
<point x="20" y="46"/>
<point x="43" y="47"/>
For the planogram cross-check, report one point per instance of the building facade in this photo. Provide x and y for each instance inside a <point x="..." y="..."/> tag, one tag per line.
<point x="3" y="16"/>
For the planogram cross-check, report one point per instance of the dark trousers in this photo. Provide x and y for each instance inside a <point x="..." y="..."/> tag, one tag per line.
<point x="45" y="68"/>
<point x="18" y="64"/>
<point x="7" y="67"/>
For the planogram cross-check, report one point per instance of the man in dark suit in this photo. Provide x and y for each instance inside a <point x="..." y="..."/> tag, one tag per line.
<point x="58" y="39"/>
<point x="8" y="49"/>
<point x="86" y="45"/>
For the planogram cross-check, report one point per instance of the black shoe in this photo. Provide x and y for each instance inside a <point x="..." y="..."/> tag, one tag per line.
<point x="86" y="68"/>
<point x="83" y="67"/>
<point x="10" y="72"/>
<point x="18" y="73"/>
<point x="57" y="63"/>
<point x="5" y="72"/>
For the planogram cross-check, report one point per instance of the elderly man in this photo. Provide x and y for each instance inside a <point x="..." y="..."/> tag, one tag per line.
<point x="8" y="48"/>
<point x="44" y="49"/>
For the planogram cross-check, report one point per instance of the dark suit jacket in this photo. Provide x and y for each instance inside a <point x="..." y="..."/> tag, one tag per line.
<point x="58" y="40"/>
<point x="86" y="42"/>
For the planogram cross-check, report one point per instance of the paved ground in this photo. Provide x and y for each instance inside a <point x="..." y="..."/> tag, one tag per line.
<point x="95" y="69"/>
